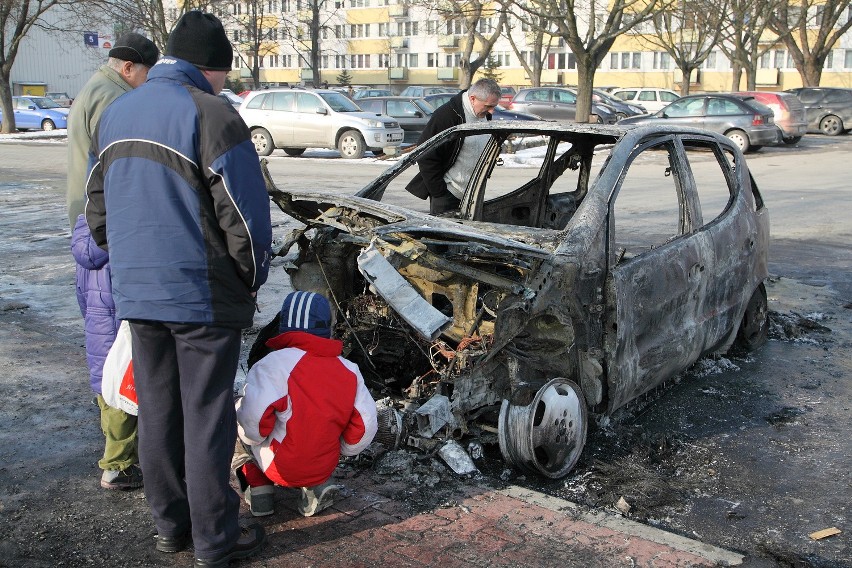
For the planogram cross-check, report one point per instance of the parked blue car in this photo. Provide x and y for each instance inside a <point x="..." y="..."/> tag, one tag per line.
<point x="38" y="113"/>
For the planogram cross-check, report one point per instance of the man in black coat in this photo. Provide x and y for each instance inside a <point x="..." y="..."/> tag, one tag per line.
<point x="444" y="170"/>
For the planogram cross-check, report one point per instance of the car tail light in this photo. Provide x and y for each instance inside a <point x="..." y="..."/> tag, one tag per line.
<point x="757" y="120"/>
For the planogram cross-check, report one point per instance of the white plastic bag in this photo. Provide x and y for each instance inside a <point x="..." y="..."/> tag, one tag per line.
<point x="117" y="387"/>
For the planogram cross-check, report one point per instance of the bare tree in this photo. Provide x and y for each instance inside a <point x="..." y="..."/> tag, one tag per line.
<point x="17" y="18"/>
<point x="688" y="31"/>
<point x="480" y="30"/>
<point x="743" y="38"/>
<point x="539" y="41"/>
<point x="810" y="30"/>
<point x="589" y="28"/>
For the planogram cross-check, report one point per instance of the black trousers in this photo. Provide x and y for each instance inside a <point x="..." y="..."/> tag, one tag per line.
<point x="184" y="376"/>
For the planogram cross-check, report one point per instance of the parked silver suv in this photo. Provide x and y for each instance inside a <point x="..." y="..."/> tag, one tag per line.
<point x="296" y="119"/>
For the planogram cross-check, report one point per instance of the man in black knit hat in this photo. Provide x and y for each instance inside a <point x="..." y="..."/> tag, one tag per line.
<point x="177" y="196"/>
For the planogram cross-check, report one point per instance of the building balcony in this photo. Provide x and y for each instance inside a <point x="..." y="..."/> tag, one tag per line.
<point x="448" y="73"/>
<point x="399" y="42"/>
<point x="307" y="74"/>
<point x="398" y="73"/>
<point x="398" y="11"/>
<point x="448" y="41"/>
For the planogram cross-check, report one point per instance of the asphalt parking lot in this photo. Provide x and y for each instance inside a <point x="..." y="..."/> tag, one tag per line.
<point x="749" y="456"/>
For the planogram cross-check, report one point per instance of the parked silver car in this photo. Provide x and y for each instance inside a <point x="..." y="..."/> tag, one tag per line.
<point x="748" y="123"/>
<point x="296" y="119"/>
<point x="553" y="293"/>
<point x="557" y="103"/>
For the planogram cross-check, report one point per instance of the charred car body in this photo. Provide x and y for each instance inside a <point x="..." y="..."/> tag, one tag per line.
<point x="541" y="301"/>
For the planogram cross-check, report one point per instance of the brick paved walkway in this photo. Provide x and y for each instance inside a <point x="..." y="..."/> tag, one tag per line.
<point x="370" y="526"/>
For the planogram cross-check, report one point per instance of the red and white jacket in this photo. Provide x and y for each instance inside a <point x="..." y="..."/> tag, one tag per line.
<point x="304" y="406"/>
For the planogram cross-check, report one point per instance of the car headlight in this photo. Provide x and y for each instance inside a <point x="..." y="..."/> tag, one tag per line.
<point x="375" y="123"/>
<point x="636" y="109"/>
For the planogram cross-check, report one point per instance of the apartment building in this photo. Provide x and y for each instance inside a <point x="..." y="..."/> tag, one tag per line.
<point x="392" y="44"/>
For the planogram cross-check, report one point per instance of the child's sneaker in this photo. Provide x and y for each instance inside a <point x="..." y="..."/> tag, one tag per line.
<point x="129" y="478"/>
<point x="261" y="500"/>
<point x="315" y="499"/>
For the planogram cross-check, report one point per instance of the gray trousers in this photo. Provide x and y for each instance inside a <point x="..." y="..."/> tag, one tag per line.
<point x="184" y="376"/>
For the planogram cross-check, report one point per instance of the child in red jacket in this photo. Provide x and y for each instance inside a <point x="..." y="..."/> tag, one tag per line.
<point x="304" y="405"/>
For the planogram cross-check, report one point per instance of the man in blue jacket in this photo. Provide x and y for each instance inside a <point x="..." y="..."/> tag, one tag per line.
<point x="177" y="196"/>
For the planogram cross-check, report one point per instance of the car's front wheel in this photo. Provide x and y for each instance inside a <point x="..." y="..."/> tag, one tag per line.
<point x="262" y="141"/>
<point x="546" y="436"/>
<point x="739" y="138"/>
<point x="351" y="145"/>
<point x="831" y="125"/>
<point x="295" y="152"/>
<point x="48" y="124"/>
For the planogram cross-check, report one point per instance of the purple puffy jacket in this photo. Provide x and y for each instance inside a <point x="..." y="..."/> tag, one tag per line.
<point x="94" y="294"/>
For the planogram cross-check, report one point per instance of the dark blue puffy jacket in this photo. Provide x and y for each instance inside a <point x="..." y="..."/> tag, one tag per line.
<point x="94" y="294"/>
<point x="177" y="194"/>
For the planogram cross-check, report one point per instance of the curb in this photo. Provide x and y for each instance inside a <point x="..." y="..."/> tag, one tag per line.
<point x="713" y="554"/>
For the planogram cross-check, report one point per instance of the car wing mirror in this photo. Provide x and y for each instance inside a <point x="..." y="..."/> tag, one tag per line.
<point x="31" y="107"/>
<point x="418" y="114"/>
<point x="322" y="110"/>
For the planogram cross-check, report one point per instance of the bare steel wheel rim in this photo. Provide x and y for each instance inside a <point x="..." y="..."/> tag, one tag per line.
<point x="546" y="436"/>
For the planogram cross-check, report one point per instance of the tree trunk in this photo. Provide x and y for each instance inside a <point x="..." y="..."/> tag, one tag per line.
<point x="685" y="80"/>
<point x="8" y="125"/>
<point x="316" y="52"/>
<point x="751" y="79"/>
<point x="812" y="73"/>
<point x="585" y="81"/>
<point x="736" y="76"/>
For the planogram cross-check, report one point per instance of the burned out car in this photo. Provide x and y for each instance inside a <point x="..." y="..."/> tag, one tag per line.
<point x="555" y="293"/>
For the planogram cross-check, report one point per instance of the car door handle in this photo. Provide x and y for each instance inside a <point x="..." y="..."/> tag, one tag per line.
<point x="696" y="270"/>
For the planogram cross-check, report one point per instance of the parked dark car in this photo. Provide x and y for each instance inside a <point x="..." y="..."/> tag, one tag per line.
<point x="38" y="113"/>
<point x="748" y="123"/>
<point x="500" y="113"/>
<point x="557" y="103"/>
<point x="789" y="112"/>
<point x="418" y="91"/>
<point x="411" y="113"/>
<point x="555" y="293"/>
<point x="367" y="93"/>
<point x="829" y="110"/>
<point x="622" y="108"/>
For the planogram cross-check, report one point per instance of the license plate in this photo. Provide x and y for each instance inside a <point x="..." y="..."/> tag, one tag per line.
<point x="394" y="137"/>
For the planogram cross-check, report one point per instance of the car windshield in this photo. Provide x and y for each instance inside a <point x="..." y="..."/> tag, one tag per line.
<point x="44" y="102"/>
<point x="339" y="102"/>
<point x="424" y="106"/>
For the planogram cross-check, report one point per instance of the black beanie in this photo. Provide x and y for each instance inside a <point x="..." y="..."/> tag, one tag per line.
<point x="201" y="40"/>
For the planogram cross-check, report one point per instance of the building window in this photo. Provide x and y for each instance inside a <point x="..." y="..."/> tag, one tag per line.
<point x="625" y="60"/>
<point x="383" y="29"/>
<point x="662" y="60"/>
<point x="780" y="58"/>
<point x="710" y="62"/>
<point x="765" y="61"/>
<point x="431" y="27"/>
<point x="384" y="60"/>
<point x="847" y="59"/>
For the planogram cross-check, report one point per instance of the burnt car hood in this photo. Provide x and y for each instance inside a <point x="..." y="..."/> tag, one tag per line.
<point x="376" y="219"/>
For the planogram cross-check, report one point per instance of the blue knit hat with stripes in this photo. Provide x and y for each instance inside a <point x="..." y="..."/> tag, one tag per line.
<point x="306" y="311"/>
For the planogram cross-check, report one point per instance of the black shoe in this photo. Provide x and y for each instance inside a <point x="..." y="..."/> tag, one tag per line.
<point x="250" y="541"/>
<point x="171" y="544"/>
